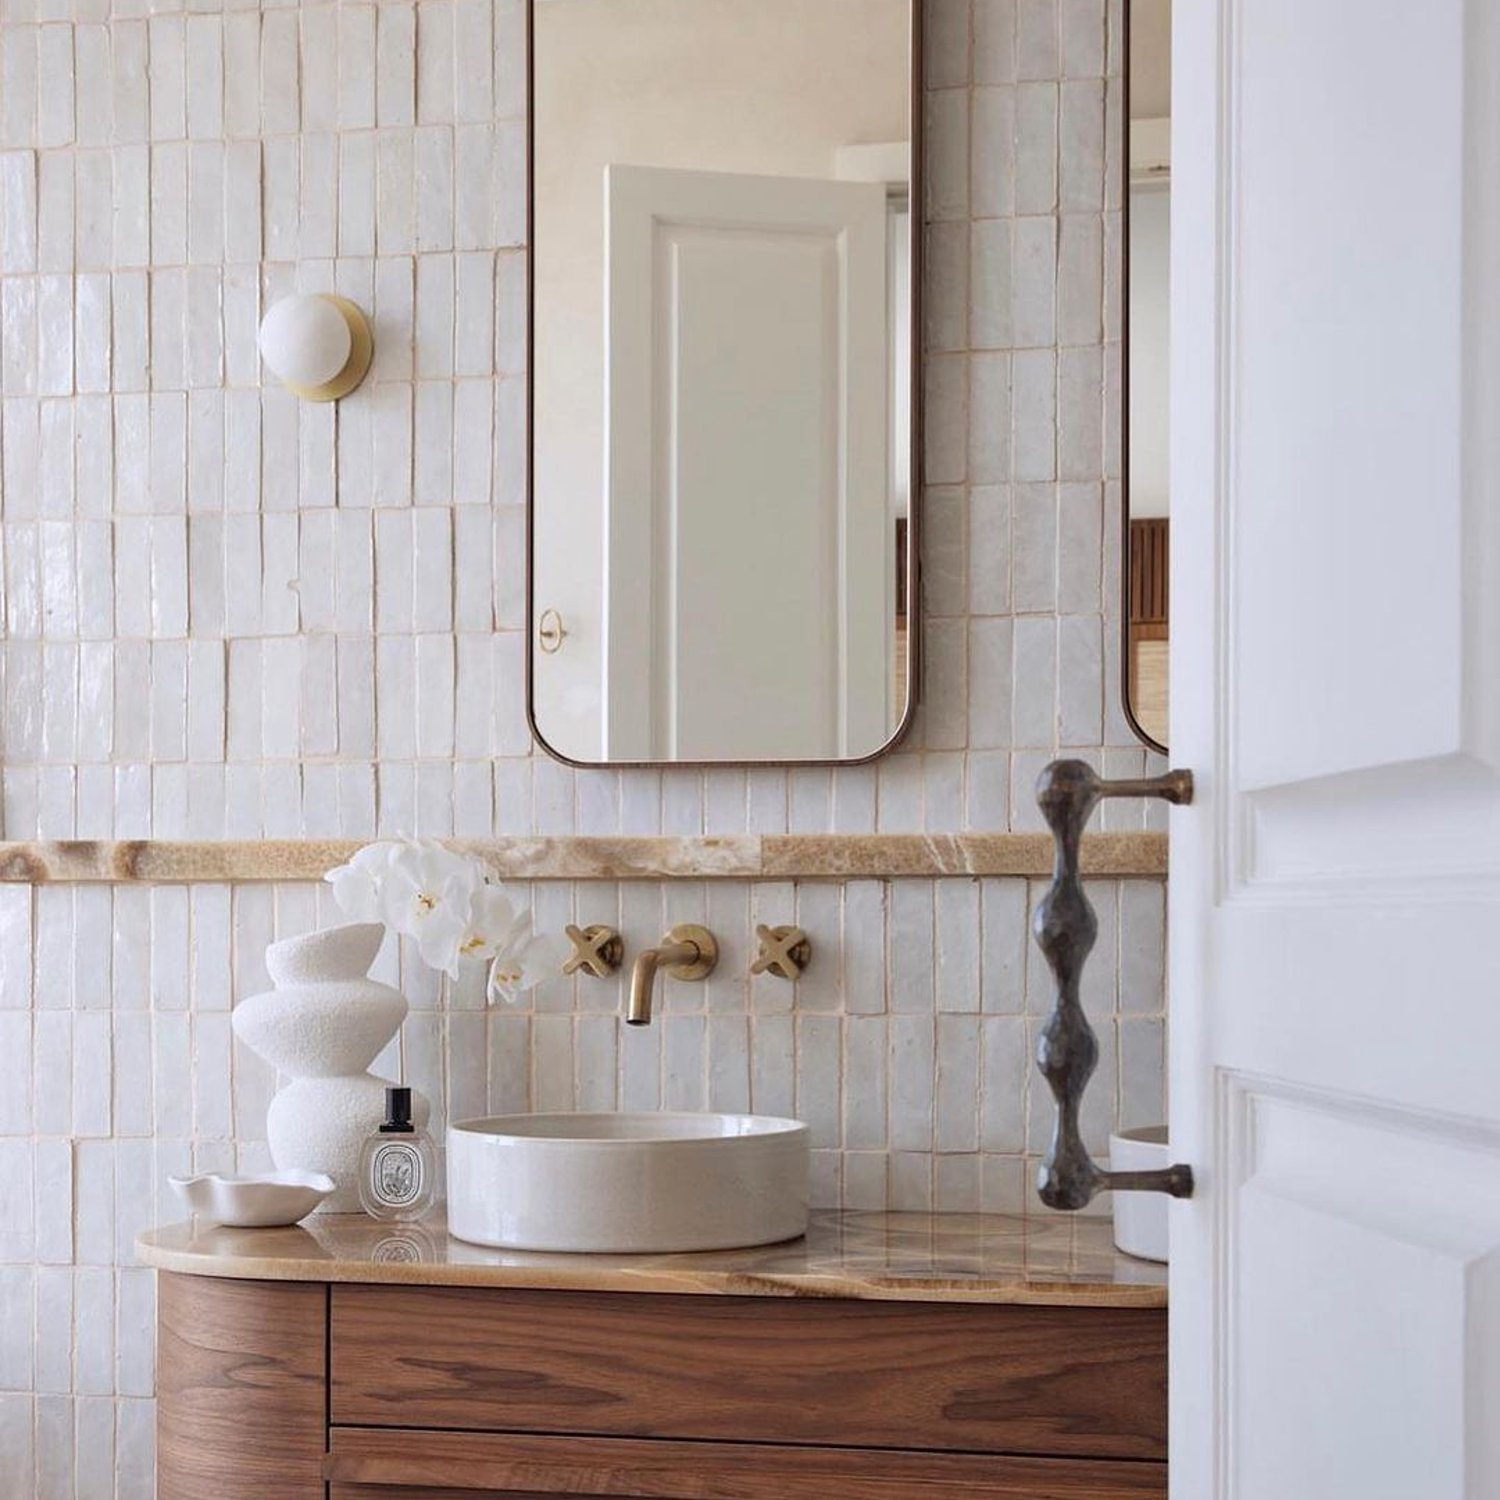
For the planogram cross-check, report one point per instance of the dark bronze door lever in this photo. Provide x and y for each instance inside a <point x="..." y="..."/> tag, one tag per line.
<point x="1065" y="927"/>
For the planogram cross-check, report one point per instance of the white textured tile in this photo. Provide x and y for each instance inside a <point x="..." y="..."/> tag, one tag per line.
<point x="54" y="223"/>
<point x="473" y="55"/>
<point x="135" y="1447"/>
<point x="1036" y="139"/>
<point x="912" y="946"/>
<point x="728" y="1063"/>
<point x="945" y="312"/>
<point x="18" y="225"/>
<point x="991" y="402"/>
<point x="990" y="291"/>
<point x="773" y="1065"/>
<point x="684" y="1062"/>
<point x="18" y="86"/>
<point x="1037" y="42"/>
<point x="819" y="913"/>
<point x="356" y="66"/>
<point x="855" y="791"/>
<point x="912" y="1067"/>
<point x="1033" y="412"/>
<point x="947" y="153"/>
<point x="866" y="1044"/>
<point x="819" y="1076"/>
<point x="899" y="807"/>
<point x="640" y="1067"/>
<point x="1080" y="412"/>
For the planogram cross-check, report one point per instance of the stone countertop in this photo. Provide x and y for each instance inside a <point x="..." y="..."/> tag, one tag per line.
<point x="1050" y="1260"/>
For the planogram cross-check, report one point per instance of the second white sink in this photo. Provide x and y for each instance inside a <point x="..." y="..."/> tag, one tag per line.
<point x="627" y="1183"/>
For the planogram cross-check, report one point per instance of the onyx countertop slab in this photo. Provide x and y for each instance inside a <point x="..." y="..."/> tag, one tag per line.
<point x="1047" y="1260"/>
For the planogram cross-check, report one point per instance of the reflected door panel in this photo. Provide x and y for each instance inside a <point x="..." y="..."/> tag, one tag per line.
<point x="748" y="536"/>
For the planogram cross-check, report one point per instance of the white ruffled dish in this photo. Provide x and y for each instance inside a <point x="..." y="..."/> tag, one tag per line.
<point x="274" y="1199"/>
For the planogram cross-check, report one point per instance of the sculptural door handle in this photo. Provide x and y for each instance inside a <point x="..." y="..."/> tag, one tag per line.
<point x="1065" y="927"/>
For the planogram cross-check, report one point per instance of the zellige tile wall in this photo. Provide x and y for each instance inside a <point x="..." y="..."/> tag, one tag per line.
<point x="226" y="614"/>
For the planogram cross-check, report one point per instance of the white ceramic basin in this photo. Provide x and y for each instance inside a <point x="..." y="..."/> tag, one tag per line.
<point x="627" y="1183"/>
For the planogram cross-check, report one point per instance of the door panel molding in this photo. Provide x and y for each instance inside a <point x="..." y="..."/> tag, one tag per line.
<point x="1405" y="1204"/>
<point x="1404" y="832"/>
<point x="1390" y="787"/>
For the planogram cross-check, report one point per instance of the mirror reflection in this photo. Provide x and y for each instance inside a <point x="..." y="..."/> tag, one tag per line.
<point x="722" y="416"/>
<point x="1148" y="508"/>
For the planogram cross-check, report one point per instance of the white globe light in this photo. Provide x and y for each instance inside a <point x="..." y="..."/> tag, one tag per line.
<point x="305" y="340"/>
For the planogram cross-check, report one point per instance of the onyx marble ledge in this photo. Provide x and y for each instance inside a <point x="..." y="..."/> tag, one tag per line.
<point x="731" y="857"/>
<point x="1045" y="1261"/>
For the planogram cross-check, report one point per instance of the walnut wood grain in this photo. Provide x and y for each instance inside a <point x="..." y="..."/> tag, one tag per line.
<point x="371" y="1465"/>
<point x="241" y="1396"/>
<point x="1087" y="1382"/>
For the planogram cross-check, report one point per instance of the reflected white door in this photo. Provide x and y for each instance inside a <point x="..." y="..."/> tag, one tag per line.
<point x="1335" y="889"/>
<point x="750" y="554"/>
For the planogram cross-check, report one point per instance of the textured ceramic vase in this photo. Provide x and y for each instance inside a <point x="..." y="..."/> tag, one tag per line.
<point x="322" y="1026"/>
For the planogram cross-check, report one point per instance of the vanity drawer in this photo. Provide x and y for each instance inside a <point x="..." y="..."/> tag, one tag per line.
<point x="1077" y="1381"/>
<point x="365" y="1465"/>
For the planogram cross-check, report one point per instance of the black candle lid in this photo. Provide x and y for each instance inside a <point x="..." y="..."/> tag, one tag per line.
<point x="397" y="1111"/>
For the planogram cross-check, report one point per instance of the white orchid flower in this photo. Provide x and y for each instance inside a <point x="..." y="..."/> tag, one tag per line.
<point x="519" y="960"/>
<point x="427" y="895"/>
<point x="445" y="903"/>
<point x="492" y="917"/>
<point x="357" y="886"/>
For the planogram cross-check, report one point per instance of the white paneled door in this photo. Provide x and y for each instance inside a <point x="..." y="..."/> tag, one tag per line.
<point x="750" y="555"/>
<point x="1335" y="888"/>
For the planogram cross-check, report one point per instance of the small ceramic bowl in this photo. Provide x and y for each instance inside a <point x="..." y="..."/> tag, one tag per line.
<point x="1141" y="1218"/>
<point x="276" y="1198"/>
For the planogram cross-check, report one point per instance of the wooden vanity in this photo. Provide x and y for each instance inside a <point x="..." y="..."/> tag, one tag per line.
<point x="889" y="1356"/>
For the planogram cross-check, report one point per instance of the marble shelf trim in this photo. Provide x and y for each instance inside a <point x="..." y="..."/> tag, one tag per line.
<point x="734" y="857"/>
<point x="1051" y="1261"/>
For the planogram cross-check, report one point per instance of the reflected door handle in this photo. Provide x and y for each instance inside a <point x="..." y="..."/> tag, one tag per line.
<point x="1065" y="927"/>
<point x="550" y="633"/>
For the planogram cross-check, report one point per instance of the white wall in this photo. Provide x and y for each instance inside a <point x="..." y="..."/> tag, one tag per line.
<point x="717" y="85"/>
<point x="225" y="614"/>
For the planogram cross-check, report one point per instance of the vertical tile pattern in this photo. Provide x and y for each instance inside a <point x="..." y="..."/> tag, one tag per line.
<point x="224" y="614"/>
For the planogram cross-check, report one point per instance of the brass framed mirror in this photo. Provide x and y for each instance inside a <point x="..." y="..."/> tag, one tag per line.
<point x="1146" y="244"/>
<point x="725" y="415"/>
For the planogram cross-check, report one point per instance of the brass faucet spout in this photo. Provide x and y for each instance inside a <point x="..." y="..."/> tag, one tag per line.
<point x="687" y="952"/>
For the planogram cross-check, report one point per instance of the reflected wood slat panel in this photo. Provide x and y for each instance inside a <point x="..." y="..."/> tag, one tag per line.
<point x="736" y="857"/>
<point x="241" y="1394"/>
<point x="477" y="1466"/>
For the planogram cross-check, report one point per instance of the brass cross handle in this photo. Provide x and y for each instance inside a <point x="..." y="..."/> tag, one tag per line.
<point x="786" y="951"/>
<point x="600" y="950"/>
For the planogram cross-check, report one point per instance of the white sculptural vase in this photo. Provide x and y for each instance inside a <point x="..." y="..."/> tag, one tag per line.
<point x="322" y="1025"/>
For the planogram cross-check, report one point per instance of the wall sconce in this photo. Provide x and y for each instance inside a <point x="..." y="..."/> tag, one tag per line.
<point x="319" y="346"/>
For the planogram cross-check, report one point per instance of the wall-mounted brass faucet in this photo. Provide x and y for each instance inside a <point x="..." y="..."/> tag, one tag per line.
<point x="687" y="952"/>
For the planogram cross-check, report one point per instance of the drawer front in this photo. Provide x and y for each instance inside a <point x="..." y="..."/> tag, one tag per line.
<point x="414" y="1465"/>
<point x="1086" y="1382"/>
<point x="427" y="1492"/>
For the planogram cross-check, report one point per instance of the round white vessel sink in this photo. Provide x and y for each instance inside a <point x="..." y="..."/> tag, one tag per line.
<point x="627" y="1183"/>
